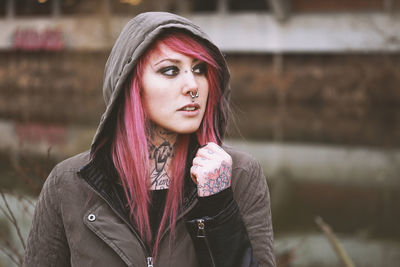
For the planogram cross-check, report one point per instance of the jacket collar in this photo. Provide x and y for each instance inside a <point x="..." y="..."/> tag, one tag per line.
<point x="107" y="185"/>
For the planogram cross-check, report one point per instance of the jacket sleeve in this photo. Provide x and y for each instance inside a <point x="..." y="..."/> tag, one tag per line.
<point x="47" y="244"/>
<point x="220" y="239"/>
<point x="252" y="195"/>
<point x="241" y="233"/>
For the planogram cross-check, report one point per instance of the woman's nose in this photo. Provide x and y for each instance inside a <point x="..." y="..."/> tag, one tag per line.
<point x="190" y="83"/>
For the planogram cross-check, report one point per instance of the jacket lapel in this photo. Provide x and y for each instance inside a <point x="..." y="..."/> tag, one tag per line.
<point x="101" y="220"/>
<point x="109" y="220"/>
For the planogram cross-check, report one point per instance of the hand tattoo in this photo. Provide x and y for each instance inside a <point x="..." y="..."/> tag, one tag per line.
<point x="217" y="180"/>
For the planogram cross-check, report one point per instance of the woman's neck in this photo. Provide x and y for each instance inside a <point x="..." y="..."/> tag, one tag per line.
<point x="161" y="144"/>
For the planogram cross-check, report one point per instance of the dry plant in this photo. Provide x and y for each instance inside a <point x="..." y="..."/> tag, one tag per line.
<point x="16" y="209"/>
<point x="13" y="253"/>
<point x="339" y="250"/>
<point x="286" y="258"/>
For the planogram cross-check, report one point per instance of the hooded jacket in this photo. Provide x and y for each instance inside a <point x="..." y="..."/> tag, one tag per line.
<point x="80" y="219"/>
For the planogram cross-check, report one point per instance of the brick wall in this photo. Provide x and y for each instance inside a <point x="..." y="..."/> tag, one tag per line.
<point x="60" y="87"/>
<point x="334" y="99"/>
<point x="340" y="99"/>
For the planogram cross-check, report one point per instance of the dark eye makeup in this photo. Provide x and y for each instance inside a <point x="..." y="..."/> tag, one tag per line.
<point x="200" y="68"/>
<point x="171" y="71"/>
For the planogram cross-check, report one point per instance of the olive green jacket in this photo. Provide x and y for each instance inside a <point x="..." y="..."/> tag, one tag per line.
<point x="75" y="226"/>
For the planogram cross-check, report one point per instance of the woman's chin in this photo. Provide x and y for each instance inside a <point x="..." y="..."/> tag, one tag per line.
<point x="184" y="129"/>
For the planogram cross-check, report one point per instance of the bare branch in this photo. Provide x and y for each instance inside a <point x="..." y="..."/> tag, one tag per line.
<point x="340" y="251"/>
<point x="6" y="214"/>
<point x="26" y="199"/>
<point x="23" y="174"/>
<point x="14" y="221"/>
<point x="13" y="251"/>
<point x="9" y="255"/>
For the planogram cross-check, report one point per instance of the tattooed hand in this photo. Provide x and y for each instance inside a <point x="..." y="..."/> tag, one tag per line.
<point x="211" y="170"/>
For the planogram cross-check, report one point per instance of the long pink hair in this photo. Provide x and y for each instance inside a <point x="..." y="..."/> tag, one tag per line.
<point x="129" y="149"/>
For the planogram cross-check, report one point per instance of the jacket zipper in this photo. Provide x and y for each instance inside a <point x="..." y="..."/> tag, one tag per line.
<point x="201" y="233"/>
<point x="149" y="261"/>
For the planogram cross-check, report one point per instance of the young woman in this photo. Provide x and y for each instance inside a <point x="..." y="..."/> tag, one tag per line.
<point x="158" y="187"/>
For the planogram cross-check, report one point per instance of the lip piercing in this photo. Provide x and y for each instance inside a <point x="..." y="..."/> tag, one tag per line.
<point x="194" y="96"/>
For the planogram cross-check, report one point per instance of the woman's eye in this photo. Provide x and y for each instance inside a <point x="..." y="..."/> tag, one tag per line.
<point x="170" y="71"/>
<point x="200" y="69"/>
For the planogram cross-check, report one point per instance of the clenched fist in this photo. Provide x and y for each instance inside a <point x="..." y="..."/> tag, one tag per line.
<point x="211" y="170"/>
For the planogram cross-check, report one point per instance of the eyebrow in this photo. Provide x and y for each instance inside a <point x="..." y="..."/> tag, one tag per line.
<point x="173" y="60"/>
<point x="167" y="59"/>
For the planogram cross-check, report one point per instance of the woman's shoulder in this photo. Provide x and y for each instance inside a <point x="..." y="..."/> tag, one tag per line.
<point x="74" y="163"/>
<point x="248" y="179"/>
<point x="67" y="170"/>
<point x="246" y="169"/>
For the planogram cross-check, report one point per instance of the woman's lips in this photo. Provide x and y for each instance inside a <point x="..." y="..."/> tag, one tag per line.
<point x="190" y="109"/>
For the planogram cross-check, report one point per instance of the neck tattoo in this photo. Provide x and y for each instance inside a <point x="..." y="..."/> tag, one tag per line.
<point x="161" y="145"/>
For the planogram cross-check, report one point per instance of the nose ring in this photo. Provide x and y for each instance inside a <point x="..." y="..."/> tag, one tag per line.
<point x="194" y="96"/>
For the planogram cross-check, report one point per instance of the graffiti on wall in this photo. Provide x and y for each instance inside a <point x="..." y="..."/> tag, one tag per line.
<point x="34" y="40"/>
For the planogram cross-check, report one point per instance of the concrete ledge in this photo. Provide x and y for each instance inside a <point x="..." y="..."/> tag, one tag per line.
<point x="241" y="32"/>
<point x="321" y="163"/>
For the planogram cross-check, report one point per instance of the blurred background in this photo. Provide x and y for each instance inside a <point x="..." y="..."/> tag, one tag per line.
<point x="316" y="97"/>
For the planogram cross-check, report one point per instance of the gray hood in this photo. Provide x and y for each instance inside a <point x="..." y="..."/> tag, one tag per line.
<point x="135" y="38"/>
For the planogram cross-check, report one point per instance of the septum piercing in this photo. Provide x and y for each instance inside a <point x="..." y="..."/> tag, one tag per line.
<point x="194" y="96"/>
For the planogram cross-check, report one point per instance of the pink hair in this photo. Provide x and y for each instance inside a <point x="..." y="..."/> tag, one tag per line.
<point x="129" y="148"/>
